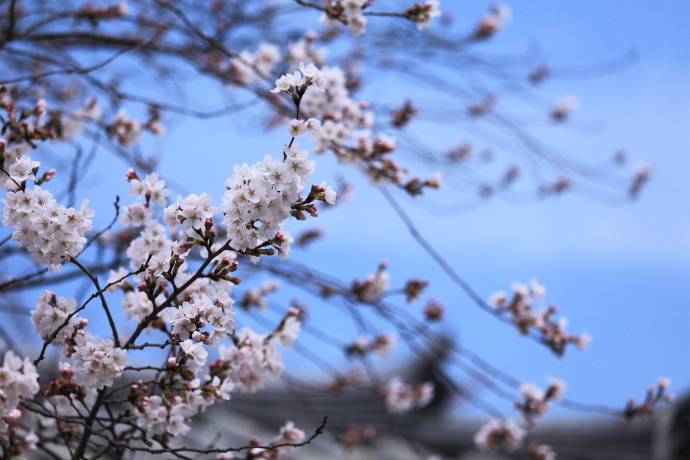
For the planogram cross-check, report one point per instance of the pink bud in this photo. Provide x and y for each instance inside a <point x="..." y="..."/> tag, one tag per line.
<point x="13" y="415"/>
<point x="49" y="174"/>
<point x="131" y="174"/>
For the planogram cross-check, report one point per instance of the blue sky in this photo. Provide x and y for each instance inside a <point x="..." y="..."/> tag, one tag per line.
<point x="619" y="272"/>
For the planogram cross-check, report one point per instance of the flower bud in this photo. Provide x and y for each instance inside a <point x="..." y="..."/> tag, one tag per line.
<point x="131" y="174"/>
<point x="12" y="416"/>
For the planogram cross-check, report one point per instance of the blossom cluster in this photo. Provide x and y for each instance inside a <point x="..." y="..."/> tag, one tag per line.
<point x="23" y="169"/>
<point x="297" y="128"/>
<point x="256" y="297"/>
<point x="151" y="187"/>
<point x="240" y="368"/>
<point x="49" y="230"/>
<point x="97" y="361"/>
<point x="346" y="129"/>
<point x="192" y="213"/>
<point x="345" y="124"/>
<point x="433" y="310"/>
<point x="307" y="75"/>
<point x="258" y="200"/>
<point x="96" y="13"/>
<point x="508" y="436"/>
<point x="423" y="14"/>
<point x="351" y="13"/>
<point x="22" y="129"/>
<point x="305" y="49"/>
<point x="152" y="241"/>
<point x="52" y="313"/>
<point x="537" y="451"/>
<point x="260" y="197"/>
<point x="413" y="289"/>
<point x="348" y="12"/>
<point x="493" y="21"/>
<point x="193" y="315"/>
<point x="246" y="65"/>
<point x="183" y="394"/>
<point x="243" y="366"/>
<point x="288" y="433"/>
<point x="355" y="435"/>
<point x="288" y="329"/>
<point x="519" y="307"/>
<point x="72" y="124"/>
<point x="401" y="397"/>
<point x="127" y="131"/>
<point x="382" y="345"/>
<point x="499" y="434"/>
<point x="537" y="401"/>
<point x="136" y="304"/>
<point x="373" y="287"/>
<point x="170" y="414"/>
<point x="242" y="68"/>
<point x="61" y="395"/>
<point x="655" y="394"/>
<point x="404" y="114"/>
<point x="18" y="379"/>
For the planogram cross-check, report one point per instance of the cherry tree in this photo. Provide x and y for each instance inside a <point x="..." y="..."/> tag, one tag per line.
<point x="142" y="307"/>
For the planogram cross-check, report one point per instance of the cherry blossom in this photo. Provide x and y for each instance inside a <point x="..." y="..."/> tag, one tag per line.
<point x="191" y="318"/>
<point x="401" y="397"/>
<point x="51" y="313"/>
<point x="18" y="379"/>
<point x="499" y="434"/>
<point x="50" y="231"/>
<point x="243" y="367"/>
<point x="97" y="361"/>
